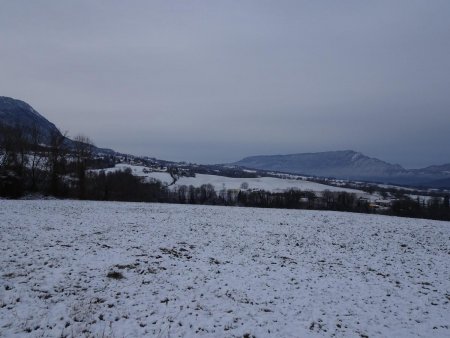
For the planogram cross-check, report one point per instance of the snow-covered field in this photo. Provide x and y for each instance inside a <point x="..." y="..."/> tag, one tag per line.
<point x="218" y="272"/>
<point x="273" y="184"/>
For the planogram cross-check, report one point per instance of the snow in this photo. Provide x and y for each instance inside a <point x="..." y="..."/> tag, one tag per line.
<point x="141" y="171"/>
<point x="272" y="184"/>
<point x="218" y="272"/>
<point x="164" y="177"/>
<point x="390" y="186"/>
<point x="424" y="199"/>
<point x="260" y="183"/>
<point x="356" y="156"/>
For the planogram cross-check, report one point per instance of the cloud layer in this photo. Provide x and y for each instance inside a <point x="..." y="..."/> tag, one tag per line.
<point x="215" y="81"/>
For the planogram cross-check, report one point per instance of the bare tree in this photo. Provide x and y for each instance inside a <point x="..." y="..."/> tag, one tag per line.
<point x="36" y="156"/>
<point x="83" y="153"/>
<point x="56" y="157"/>
<point x="3" y="146"/>
<point x="13" y="162"/>
<point x="183" y="192"/>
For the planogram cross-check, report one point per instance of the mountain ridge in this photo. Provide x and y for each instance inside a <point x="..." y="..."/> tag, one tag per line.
<point x="345" y="164"/>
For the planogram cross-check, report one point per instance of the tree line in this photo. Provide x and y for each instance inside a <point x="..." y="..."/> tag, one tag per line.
<point x="32" y="161"/>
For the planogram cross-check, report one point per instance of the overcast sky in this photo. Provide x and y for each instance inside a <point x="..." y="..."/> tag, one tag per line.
<point x="214" y="81"/>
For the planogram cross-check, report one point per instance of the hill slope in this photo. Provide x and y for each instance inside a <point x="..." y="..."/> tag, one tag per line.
<point x="17" y="113"/>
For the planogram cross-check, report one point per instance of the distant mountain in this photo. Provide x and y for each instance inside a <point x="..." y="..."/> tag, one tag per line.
<point x="340" y="164"/>
<point x="346" y="164"/>
<point x="15" y="112"/>
<point x="434" y="169"/>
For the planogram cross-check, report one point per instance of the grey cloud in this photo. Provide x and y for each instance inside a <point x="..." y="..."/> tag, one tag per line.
<point x="215" y="81"/>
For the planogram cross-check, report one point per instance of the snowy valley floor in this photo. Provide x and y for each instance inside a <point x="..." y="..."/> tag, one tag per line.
<point x="218" y="272"/>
